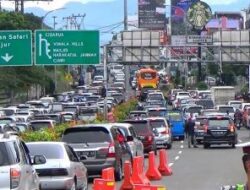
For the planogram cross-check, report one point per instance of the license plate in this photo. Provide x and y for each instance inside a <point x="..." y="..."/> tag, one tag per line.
<point x="218" y="133"/>
<point x="87" y="153"/>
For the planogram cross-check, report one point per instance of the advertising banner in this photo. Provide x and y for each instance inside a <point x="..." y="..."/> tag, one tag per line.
<point x="152" y="14"/>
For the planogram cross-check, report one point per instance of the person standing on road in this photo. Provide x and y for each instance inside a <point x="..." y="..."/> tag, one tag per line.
<point x="246" y="164"/>
<point x="190" y="132"/>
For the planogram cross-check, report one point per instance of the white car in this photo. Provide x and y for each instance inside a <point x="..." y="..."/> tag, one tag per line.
<point x="226" y="109"/>
<point x="98" y="78"/>
<point x="235" y="103"/>
<point x="116" y="69"/>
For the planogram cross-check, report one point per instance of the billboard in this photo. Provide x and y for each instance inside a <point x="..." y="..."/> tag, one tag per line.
<point x="179" y="10"/>
<point x="152" y="14"/>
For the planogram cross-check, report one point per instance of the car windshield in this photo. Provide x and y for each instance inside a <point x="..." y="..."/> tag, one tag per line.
<point x="157" y="123"/>
<point x="69" y="109"/>
<point x="88" y="134"/>
<point x="236" y="105"/>
<point x="194" y="109"/>
<point x="55" y="151"/>
<point x="141" y="128"/>
<point x="218" y="122"/>
<point x="8" y="112"/>
<point x="36" y="126"/>
<point x="5" y="121"/>
<point x="154" y="113"/>
<point x="226" y="109"/>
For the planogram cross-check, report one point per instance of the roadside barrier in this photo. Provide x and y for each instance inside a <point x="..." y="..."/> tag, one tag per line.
<point x="152" y="172"/>
<point x="149" y="187"/>
<point x="163" y="168"/>
<point x="127" y="182"/>
<point x="138" y="176"/>
<point x="107" y="182"/>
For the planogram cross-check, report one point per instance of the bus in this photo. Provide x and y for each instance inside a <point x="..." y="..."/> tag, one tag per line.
<point x="147" y="78"/>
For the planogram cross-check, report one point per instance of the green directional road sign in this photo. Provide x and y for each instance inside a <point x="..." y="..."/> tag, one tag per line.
<point x="15" y="48"/>
<point x="66" y="47"/>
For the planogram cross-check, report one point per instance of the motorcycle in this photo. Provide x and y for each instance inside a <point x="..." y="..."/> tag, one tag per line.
<point x="238" y="123"/>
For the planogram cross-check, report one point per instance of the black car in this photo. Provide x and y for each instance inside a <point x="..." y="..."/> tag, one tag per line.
<point x="219" y="130"/>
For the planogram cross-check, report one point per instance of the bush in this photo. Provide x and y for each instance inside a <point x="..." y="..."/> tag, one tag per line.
<point x="202" y="86"/>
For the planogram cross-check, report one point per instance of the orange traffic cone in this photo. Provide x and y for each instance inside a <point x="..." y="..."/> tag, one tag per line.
<point x="149" y="187"/>
<point x="138" y="176"/>
<point x="163" y="168"/>
<point x="101" y="184"/>
<point x="108" y="174"/>
<point x="153" y="172"/>
<point x="127" y="183"/>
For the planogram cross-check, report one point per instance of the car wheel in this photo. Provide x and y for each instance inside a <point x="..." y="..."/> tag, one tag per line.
<point x="181" y="138"/>
<point x="233" y="145"/>
<point x="206" y="145"/>
<point x="118" y="172"/>
<point x="169" y="146"/>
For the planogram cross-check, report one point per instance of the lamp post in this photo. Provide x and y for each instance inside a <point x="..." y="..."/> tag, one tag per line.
<point x="54" y="27"/>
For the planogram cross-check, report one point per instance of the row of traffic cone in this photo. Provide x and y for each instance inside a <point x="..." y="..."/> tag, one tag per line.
<point x="106" y="182"/>
<point x="138" y="180"/>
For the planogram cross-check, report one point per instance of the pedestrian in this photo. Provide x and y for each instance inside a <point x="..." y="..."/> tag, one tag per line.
<point x="190" y="132"/>
<point x="246" y="165"/>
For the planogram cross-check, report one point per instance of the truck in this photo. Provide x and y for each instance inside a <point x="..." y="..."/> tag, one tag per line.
<point x="222" y="94"/>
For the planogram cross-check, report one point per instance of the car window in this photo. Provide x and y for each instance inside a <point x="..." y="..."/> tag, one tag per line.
<point x="141" y="128"/>
<point x="72" y="156"/>
<point x="12" y="153"/>
<point x="224" y="122"/>
<point x="160" y="113"/>
<point x="132" y="131"/>
<point x="54" y="151"/>
<point x="4" y="156"/>
<point x="225" y="109"/>
<point x="36" y="126"/>
<point x="88" y="134"/>
<point x="157" y="123"/>
<point x="194" y="110"/>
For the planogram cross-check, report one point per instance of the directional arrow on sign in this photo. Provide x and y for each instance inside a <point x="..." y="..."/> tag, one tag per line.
<point x="7" y="57"/>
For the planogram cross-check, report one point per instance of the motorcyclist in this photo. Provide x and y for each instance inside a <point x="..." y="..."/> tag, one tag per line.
<point x="238" y="117"/>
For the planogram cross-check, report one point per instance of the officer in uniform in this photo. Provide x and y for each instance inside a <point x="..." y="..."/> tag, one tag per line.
<point x="246" y="164"/>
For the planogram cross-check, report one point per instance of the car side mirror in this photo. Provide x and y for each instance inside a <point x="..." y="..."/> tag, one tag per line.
<point x="39" y="159"/>
<point x="130" y="138"/>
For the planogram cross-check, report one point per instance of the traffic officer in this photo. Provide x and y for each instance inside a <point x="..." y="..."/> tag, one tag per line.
<point x="246" y="164"/>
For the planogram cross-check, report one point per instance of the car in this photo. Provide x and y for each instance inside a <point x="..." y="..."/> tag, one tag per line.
<point x="99" y="146"/>
<point x="226" y="109"/>
<point x="145" y="134"/>
<point x="220" y="130"/>
<point x="136" y="114"/>
<point x="157" y="111"/>
<point x="37" y="125"/>
<point x="189" y="110"/>
<point x="62" y="170"/>
<point x="134" y="143"/>
<point x="16" y="165"/>
<point x="177" y="123"/>
<point x="162" y="131"/>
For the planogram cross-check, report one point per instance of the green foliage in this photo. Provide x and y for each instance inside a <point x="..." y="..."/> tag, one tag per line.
<point x="201" y="86"/>
<point x="45" y="134"/>
<point x="213" y="69"/>
<point x="121" y="111"/>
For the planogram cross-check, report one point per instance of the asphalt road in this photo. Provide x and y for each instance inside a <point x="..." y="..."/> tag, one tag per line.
<point x="203" y="169"/>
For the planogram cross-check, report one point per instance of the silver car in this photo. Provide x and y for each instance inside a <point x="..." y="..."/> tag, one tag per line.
<point x="136" y="146"/>
<point x="16" y="168"/>
<point x="161" y="131"/>
<point x="62" y="170"/>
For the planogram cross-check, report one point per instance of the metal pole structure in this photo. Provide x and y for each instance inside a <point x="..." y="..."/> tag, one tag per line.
<point x="105" y="111"/>
<point x="249" y="78"/>
<point x="55" y="69"/>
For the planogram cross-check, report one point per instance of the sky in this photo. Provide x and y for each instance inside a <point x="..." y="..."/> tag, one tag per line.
<point x="60" y="3"/>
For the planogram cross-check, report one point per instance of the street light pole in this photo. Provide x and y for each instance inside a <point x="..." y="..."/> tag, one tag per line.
<point x="43" y="17"/>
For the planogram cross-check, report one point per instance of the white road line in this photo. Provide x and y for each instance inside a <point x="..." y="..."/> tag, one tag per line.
<point x="182" y="142"/>
<point x="170" y="164"/>
<point x="180" y="152"/>
<point x="182" y="146"/>
<point x="177" y="157"/>
<point x="240" y="141"/>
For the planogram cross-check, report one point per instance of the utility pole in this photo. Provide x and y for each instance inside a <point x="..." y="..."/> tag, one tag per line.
<point x="125" y="15"/>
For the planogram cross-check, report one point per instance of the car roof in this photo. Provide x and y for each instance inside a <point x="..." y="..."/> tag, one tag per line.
<point x="46" y="142"/>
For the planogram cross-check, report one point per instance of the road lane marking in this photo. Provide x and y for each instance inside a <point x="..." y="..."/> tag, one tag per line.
<point x="182" y="142"/>
<point x="177" y="157"/>
<point x="180" y="152"/>
<point x="240" y="141"/>
<point x="182" y="146"/>
<point x="170" y="164"/>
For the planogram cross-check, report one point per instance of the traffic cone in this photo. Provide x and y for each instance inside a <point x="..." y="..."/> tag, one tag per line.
<point x="127" y="182"/>
<point x="108" y="174"/>
<point x="149" y="187"/>
<point x="101" y="184"/>
<point x="138" y="176"/>
<point x="163" y="168"/>
<point x="152" y="172"/>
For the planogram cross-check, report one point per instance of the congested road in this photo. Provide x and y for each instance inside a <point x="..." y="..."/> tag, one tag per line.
<point x="199" y="168"/>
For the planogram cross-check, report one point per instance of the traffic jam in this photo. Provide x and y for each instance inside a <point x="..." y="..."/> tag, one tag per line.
<point x="200" y="118"/>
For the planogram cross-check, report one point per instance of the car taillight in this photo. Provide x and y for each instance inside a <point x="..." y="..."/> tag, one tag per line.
<point x="149" y="138"/>
<point x="15" y="176"/>
<point x="231" y="128"/>
<point x="111" y="151"/>
<point x="205" y="128"/>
